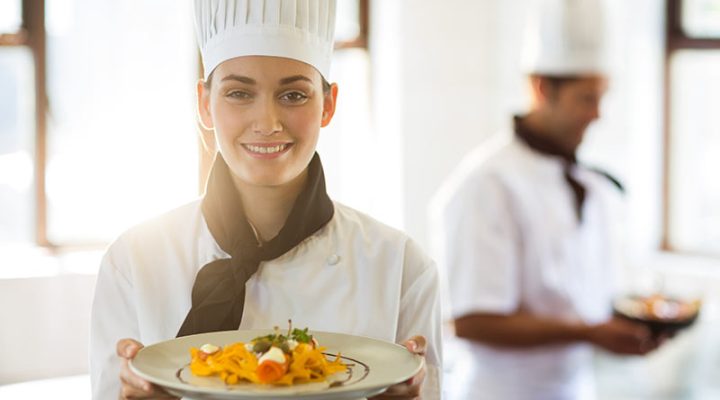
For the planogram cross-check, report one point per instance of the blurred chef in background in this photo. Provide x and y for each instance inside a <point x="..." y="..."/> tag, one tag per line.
<point x="525" y="232"/>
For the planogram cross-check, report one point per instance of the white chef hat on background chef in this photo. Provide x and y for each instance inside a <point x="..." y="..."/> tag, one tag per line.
<point x="567" y="37"/>
<point x="302" y="30"/>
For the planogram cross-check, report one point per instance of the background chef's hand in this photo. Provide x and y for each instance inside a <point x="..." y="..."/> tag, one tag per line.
<point x="623" y="337"/>
<point x="134" y="387"/>
<point x="410" y="389"/>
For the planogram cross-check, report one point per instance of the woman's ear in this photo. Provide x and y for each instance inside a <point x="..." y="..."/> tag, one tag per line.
<point x="207" y="137"/>
<point x="329" y="104"/>
<point x="203" y="105"/>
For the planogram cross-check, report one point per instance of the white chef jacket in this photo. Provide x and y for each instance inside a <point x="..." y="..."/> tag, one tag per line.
<point x="355" y="275"/>
<point x="508" y="238"/>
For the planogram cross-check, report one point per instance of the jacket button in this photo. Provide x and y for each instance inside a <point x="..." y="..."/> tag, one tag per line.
<point x="333" y="259"/>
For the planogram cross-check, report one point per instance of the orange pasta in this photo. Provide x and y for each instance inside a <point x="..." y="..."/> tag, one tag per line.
<point x="260" y="361"/>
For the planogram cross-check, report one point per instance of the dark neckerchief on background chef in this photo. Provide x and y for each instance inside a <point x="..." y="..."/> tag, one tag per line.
<point x="540" y="144"/>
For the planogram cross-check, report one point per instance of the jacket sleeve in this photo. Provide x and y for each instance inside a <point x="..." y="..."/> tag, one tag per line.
<point x="477" y="245"/>
<point x="113" y="317"/>
<point x="420" y="313"/>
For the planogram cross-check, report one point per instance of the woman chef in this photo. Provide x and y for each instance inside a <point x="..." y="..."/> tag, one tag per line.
<point x="526" y="233"/>
<point x="265" y="243"/>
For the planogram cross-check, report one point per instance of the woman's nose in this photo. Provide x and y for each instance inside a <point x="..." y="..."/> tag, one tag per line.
<point x="267" y="120"/>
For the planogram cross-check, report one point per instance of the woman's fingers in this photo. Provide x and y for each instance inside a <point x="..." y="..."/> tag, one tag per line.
<point x="129" y="392"/>
<point x="127" y="348"/>
<point x="401" y="391"/>
<point x="132" y="380"/>
<point x="409" y="389"/>
<point x="416" y="345"/>
<point x="133" y="386"/>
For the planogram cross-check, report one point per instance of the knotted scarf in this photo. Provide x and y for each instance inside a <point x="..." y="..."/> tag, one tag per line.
<point x="218" y="294"/>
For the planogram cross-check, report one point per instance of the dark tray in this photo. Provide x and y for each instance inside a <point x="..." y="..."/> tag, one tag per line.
<point x="661" y="327"/>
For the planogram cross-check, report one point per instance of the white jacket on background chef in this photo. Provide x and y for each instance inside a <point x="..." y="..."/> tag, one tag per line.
<point x="526" y="235"/>
<point x="265" y="243"/>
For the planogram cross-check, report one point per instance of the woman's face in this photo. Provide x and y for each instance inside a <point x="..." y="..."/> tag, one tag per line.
<point x="266" y="114"/>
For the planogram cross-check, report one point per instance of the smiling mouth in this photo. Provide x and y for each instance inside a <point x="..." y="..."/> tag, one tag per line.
<point x="266" y="149"/>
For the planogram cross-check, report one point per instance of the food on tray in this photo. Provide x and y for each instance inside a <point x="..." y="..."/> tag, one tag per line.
<point x="658" y="307"/>
<point x="272" y="359"/>
<point x="662" y="314"/>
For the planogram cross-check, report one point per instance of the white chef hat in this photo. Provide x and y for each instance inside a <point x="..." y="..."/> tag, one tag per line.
<point x="302" y="30"/>
<point x="567" y="37"/>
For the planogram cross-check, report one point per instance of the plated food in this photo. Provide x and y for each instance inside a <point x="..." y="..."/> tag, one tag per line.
<point x="662" y="314"/>
<point x="276" y="359"/>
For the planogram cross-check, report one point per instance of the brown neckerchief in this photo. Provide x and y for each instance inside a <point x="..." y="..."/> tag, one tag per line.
<point x="218" y="294"/>
<point x="541" y="144"/>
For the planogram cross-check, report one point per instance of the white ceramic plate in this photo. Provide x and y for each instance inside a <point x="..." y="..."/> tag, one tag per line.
<point x="374" y="365"/>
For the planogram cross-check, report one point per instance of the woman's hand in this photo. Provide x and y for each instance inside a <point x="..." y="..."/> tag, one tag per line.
<point x="134" y="387"/>
<point x="410" y="389"/>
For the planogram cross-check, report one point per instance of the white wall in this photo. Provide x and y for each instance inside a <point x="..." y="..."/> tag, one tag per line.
<point x="448" y="81"/>
<point x="45" y="326"/>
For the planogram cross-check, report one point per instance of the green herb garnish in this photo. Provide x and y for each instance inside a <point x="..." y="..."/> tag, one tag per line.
<point x="301" y="336"/>
<point x="261" y="344"/>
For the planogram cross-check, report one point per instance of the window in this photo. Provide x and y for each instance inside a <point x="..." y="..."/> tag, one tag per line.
<point x="17" y="125"/>
<point x="345" y="144"/>
<point x="17" y="111"/>
<point x="10" y="16"/>
<point x="121" y="138"/>
<point x="98" y="132"/>
<point x="692" y="210"/>
<point x="351" y="23"/>
<point x="701" y="18"/>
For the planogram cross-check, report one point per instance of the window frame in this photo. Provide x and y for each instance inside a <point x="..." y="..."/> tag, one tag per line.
<point x="32" y="35"/>
<point x="675" y="40"/>
<point x="361" y="40"/>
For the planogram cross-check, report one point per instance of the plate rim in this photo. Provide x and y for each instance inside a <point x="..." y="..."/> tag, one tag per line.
<point x="179" y="386"/>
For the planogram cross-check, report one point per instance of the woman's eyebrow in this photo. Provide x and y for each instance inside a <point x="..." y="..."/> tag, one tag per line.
<point x="294" y="78"/>
<point x="239" y="78"/>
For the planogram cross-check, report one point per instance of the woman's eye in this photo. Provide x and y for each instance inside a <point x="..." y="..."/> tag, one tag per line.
<point x="238" y="94"/>
<point x="294" y="97"/>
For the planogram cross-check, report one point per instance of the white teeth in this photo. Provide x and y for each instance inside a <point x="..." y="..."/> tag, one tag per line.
<point x="265" y="149"/>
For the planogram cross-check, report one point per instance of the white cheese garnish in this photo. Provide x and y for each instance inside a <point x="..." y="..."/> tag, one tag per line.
<point x="274" y="354"/>
<point x="208" y="348"/>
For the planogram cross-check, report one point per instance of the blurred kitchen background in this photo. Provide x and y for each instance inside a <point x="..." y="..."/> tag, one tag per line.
<point x="98" y="132"/>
